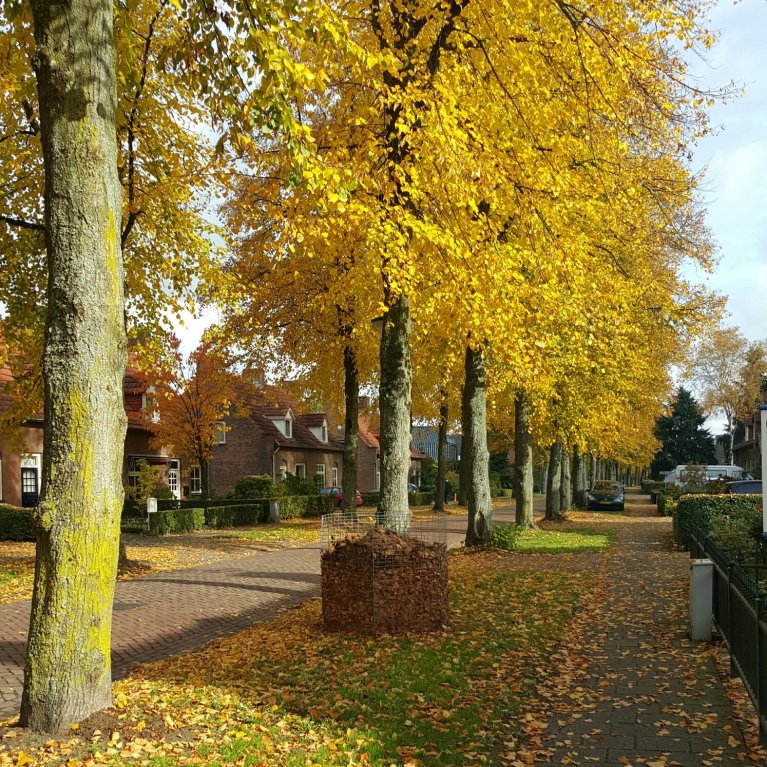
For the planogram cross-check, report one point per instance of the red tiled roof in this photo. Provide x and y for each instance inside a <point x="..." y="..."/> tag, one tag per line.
<point x="269" y="403"/>
<point x="312" y="419"/>
<point x="365" y="435"/>
<point x="133" y="388"/>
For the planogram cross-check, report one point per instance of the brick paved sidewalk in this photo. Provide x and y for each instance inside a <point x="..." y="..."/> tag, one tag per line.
<point x="170" y="612"/>
<point x="644" y="694"/>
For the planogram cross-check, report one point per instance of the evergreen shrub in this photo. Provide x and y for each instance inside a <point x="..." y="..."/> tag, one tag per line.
<point x="176" y="521"/>
<point x="698" y="512"/>
<point x="16" y="524"/>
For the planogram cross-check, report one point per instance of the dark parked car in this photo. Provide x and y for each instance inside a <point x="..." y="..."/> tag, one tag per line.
<point x="753" y="486"/>
<point x="338" y="495"/>
<point x="605" y="494"/>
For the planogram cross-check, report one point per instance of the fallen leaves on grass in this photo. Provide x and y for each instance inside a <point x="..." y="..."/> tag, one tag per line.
<point x="286" y="694"/>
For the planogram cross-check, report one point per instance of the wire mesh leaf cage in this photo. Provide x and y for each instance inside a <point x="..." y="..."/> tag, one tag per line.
<point x="376" y="580"/>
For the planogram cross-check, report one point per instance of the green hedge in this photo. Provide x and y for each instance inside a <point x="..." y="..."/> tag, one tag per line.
<point x="414" y="499"/>
<point x="257" y="486"/>
<point x="176" y="521"/>
<point x="204" y="503"/>
<point x="237" y="514"/>
<point x="16" y="524"/>
<point x="699" y="511"/>
<point x="294" y="506"/>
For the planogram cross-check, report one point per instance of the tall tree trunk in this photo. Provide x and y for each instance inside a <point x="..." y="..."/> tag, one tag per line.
<point x="351" y="432"/>
<point x="68" y="672"/>
<point x="565" y="485"/>
<point x="439" y="490"/>
<point x="479" y="530"/>
<point x="553" y="480"/>
<point x="395" y="402"/>
<point x="463" y="466"/>
<point x="579" y="478"/>
<point x="523" y="462"/>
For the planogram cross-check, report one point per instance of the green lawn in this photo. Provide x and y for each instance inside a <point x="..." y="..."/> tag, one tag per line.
<point x="561" y="542"/>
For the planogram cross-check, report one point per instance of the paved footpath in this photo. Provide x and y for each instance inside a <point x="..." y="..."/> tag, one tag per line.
<point x="637" y="691"/>
<point x="168" y="613"/>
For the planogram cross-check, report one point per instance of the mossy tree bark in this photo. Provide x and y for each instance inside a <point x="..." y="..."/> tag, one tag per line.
<point x="351" y="431"/>
<point x="439" y="490"/>
<point x="579" y="478"/>
<point x="552" y="481"/>
<point x="68" y="673"/>
<point x="395" y="403"/>
<point x="565" y="484"/>
<point x="523" y="462"/>
<point x="479" y="530"/>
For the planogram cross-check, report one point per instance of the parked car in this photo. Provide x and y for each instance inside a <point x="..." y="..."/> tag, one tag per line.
<point x="605" y="494"/>
<point x="411" y="488"/>
<point x="338" y="495"/>
<point x="753" y="486"/>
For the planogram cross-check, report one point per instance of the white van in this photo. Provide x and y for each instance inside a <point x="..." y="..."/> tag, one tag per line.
<point x="684" y="473"/>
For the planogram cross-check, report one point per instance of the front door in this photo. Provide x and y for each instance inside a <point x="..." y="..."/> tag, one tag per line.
<point x="29" y="487"/>
<point x="174" y="478"/>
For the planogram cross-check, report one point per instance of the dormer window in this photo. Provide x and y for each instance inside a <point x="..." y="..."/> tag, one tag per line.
<point x="320" y="431"/>
<point x="284" y="425"/>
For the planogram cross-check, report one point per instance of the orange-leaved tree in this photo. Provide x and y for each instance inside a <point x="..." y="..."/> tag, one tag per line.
<point x="190" y="398"/>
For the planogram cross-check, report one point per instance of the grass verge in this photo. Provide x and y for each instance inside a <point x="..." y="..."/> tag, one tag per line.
<point x="564" y="542"/>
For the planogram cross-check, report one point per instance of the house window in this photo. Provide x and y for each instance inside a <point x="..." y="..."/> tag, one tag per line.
<point x="301" y="470"/>
<point x="289" y="428"/>
<point x="334" y="475"/>
<point x="324" y="432"/>
<point x="319" y="474"/>
<point x="173" y="478"/>
<point x="378" y="479"/>
<point x="195" y="479"/>
<point x="283" y="471"/>
<point x="220" y="433"/>
<point x="132" y="472"/>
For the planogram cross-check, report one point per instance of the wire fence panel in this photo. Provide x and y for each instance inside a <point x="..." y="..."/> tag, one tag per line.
<point x="376" y="580"/>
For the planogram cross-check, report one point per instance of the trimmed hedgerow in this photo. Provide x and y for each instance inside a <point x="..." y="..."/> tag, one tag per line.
<point x="176" y="521"/>
<point x="371" y="499"/>
<point x="697" y="511"/>
<point x="236" y="515"/>
<point x="293" y="506"/>
<point x="422" y="499"/>
<point x="16" y="524"/>
<point x="204" y="503"/>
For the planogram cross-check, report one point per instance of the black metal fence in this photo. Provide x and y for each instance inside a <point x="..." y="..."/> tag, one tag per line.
<point x="740" y="614"/>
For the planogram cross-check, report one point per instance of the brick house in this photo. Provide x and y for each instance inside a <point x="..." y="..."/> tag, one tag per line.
<point x="21" y="469"/>
<point x="273" y="437"/>
<point x="369" y="459"/>
<point x="747" y="450"/>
